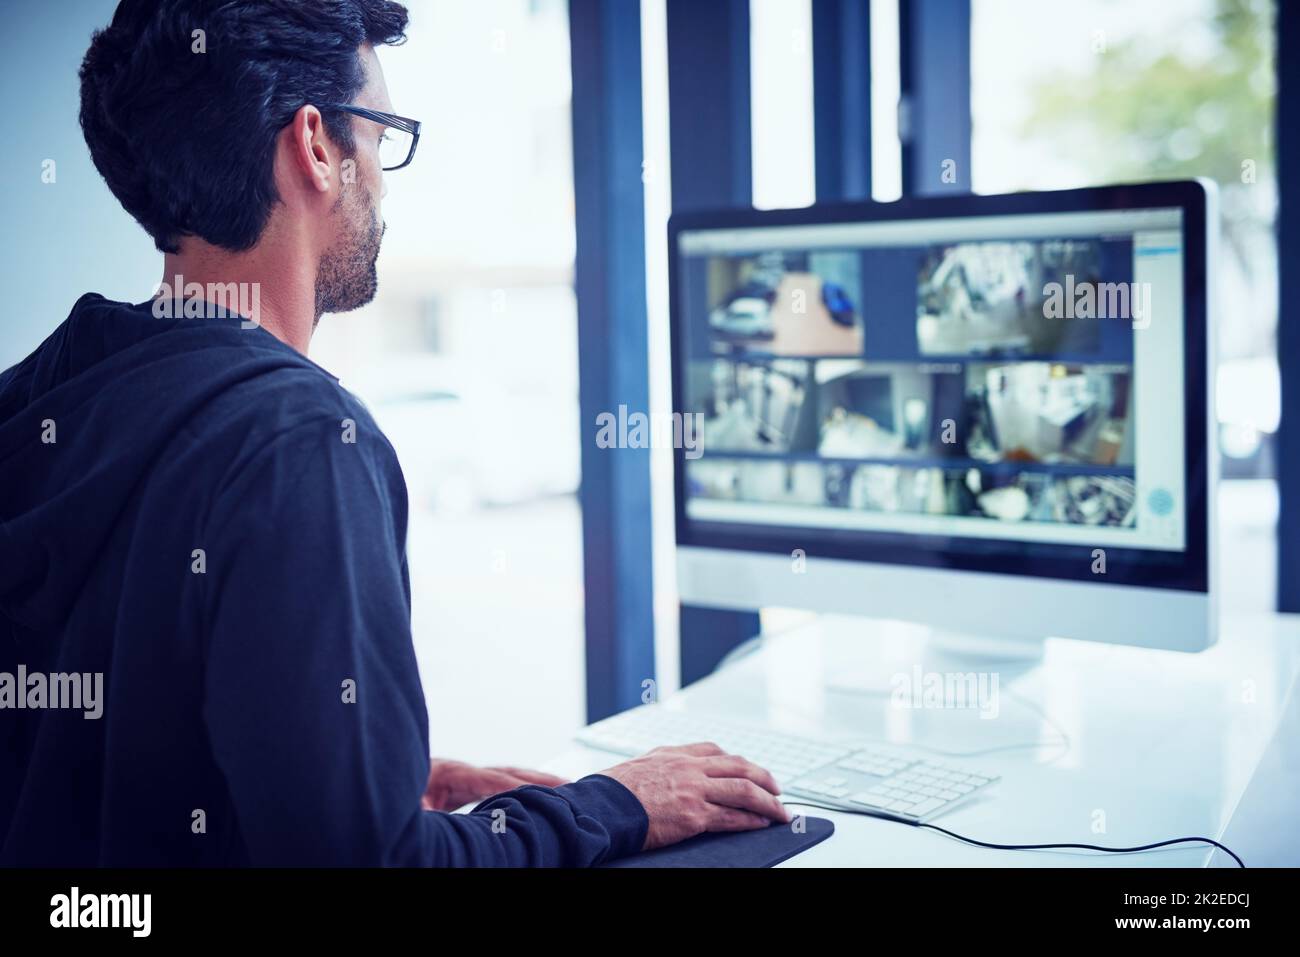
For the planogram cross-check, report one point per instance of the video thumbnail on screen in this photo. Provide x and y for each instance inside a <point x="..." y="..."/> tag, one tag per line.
<point x="986" y="298"/>
<point x="995" y="494"/>
<point x="806" y="303"/>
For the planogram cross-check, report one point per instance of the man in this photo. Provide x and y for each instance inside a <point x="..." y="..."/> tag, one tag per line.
<point x="198" y="514"/>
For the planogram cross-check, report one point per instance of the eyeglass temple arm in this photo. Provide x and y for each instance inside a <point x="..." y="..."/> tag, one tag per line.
<point x="388" y="119"/>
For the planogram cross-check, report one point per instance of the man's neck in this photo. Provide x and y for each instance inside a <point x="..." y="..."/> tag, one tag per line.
<point x="283" y="286"/>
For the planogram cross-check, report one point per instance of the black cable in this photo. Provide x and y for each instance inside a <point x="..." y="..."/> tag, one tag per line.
<point x="1033" y="847"/>
<point x="1086" y="847"/>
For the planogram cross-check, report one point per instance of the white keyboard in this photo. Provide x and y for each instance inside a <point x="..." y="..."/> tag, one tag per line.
<point x="879" y="779"/>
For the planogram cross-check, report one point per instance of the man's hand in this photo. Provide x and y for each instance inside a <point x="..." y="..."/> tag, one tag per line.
<point x="453" y="783"/>
<point x="695" y="788"/>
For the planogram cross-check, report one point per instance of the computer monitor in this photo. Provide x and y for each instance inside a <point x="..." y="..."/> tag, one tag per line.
<point x="987" y="414"/>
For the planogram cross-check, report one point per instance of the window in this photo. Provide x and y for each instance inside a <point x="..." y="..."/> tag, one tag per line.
<point x="781" y="102"/>
<point x="1103" y="91"/>
<point x="468" y="360"/>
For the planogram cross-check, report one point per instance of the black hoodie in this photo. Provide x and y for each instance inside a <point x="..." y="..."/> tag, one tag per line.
<point x="208" y="520"/>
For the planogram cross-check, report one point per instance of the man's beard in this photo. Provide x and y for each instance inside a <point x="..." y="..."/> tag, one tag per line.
<point x="346" y="277"/>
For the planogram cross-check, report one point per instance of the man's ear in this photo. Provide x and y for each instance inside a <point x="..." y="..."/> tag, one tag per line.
<point x="311" y="152"/>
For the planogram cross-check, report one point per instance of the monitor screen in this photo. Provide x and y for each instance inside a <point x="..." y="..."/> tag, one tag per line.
<point x="1002" y="392"/>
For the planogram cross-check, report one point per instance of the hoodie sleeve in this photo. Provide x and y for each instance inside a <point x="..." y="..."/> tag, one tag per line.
<point x="313" y="701"/>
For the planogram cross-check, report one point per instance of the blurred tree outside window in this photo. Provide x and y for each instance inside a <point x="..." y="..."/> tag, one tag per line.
<point x="1108" y="91"/>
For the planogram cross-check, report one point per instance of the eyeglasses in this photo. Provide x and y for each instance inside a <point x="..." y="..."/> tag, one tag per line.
<point x="397" y="146"/>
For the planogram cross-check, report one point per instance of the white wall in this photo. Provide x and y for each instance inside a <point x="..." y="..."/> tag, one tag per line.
<point x="68" y="237"/>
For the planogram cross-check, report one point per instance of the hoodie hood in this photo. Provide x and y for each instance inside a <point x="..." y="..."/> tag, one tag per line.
<point x="85" y="418"/>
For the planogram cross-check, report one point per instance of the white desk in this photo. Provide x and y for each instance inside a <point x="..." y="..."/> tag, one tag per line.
<point x="1160" y="744"/>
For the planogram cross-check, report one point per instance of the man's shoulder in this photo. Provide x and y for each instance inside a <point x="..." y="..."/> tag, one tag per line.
<point x="302" y="449"/>
<point x="297" y="406"/>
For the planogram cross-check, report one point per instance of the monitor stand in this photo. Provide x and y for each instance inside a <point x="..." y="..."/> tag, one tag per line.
<point x="910" y="684"/>
<point x="976" y="649"/>
<point x="882" y="647"/>
<point x="914" y="684"/>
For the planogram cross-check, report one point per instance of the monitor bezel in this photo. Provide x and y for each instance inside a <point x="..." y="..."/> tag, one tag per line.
<point x="1051" y="561"/>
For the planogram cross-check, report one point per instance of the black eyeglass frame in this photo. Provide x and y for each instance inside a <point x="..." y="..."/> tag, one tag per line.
<point x="404" y="123"/>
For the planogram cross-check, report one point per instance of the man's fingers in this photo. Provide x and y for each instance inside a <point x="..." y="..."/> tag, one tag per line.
<point x="734" y="766"/>
<point x="496" y="780"/>
<point x="733" y="819"/>
<point x="534" y="777"/>
<point x="746" y="796"/>
<point x="701" y="749"/>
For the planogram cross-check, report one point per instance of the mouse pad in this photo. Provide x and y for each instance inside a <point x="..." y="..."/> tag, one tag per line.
<point x="765" y="848"/>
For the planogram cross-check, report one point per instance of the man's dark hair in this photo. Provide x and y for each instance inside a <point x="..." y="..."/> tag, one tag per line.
<point x="186" y="139"/>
